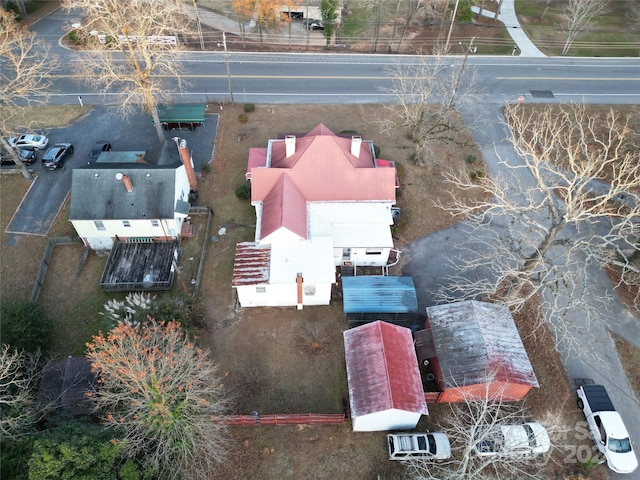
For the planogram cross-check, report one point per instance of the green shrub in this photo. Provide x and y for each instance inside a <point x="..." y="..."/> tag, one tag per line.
<point x="348" y="132"/>
<point x="477" y="174"/>
<point x="74" y="36"/>
<point x="243" y="192"/>
<point x="206" y="168"/>
<point x="376" y="150"/>
<point x="249" y="107"/>
<point x="24" y="325"/>
<point x="471" y="159"/>
<point x="242" y="118"/>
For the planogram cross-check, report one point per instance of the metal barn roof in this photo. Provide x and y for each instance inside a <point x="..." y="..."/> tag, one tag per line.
<point x="379" y="294"/>
<point x="181" y="113"/>
<point x="476" y="340"/>
<point x="382" y="370"/>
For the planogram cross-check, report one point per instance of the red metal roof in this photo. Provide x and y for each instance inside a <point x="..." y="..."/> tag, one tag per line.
<point x="284" y="207"/>
<point x="323" y="168"/>
<point x="251" y="265"/>
<point x="257" y="158"/>
<point x="382" y="369"/>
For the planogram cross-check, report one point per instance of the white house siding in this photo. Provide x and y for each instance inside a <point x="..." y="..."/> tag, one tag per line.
<point x="392" y="419"/>
<point x="96" y="239"/>
<point x="282" y="295"/>
<point x="360" y="231"/>
<point x="182" y="185"/>
<point x="362" y="257"/>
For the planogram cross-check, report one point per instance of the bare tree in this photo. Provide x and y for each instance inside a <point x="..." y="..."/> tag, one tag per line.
<point x="24" y="75"/>
<point x="132" y="57"/>
<point x="426" y="94"/>
<point x="579" y="14"/>
<point x="19" y="376"/>
<point x="547" y="3"/>
<point x="472" y="422"/>
<point x="163" y="393"/>
<point x="552" y="217"/>
<point x="378" y="7"/>
<point x="244" y="11"/>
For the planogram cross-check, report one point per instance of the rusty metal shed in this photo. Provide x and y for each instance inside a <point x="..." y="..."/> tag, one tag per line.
<point x="385" y="390"/>
<point x="478" y="350"/>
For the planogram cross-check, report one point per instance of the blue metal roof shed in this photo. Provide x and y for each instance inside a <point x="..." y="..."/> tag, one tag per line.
<point x="379" y="294"/>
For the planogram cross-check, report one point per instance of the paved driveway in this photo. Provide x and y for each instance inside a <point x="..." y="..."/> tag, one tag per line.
<point x="46" y="195"/>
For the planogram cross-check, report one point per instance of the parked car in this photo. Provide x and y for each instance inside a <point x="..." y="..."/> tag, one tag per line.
<point x="607" y="429"/>
<point x="5" y="159"/>
<point x="97" y="149"/>
<point x="27" y="157"/>
<point x="313" y="24"/>
<point x="525" y="439"/>
<point x="56" y="155"/>
<point x="29" y="142"/>
<point x="428" y="446"/>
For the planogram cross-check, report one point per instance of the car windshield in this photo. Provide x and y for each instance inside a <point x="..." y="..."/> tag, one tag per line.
<point x="489" y="441"/>
<point x="619" y="445"/>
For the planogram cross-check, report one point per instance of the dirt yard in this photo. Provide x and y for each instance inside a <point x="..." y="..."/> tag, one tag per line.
<point x="280" y="360"/>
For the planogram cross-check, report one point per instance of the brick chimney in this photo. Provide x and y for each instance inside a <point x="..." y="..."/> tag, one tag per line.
<point x="356" y="142"/>
<point x="290" y="145"/>
<point x="126" y="180"/>
<point x="299" y="281"/>
<point x="185" y="156"/>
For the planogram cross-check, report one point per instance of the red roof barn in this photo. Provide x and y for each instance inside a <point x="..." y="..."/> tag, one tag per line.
<point x="473" y="348"/>
<point x="385" y="388"/>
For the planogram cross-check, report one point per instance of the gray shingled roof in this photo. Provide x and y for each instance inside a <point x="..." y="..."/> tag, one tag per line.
<point x="96" y="194"/>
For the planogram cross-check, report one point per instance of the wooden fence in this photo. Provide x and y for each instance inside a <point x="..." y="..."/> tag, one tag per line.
<point x="283" y="419"/>
<point x="44" y="263"/>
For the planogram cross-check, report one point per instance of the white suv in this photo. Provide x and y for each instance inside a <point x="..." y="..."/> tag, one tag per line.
<point x="428" y="446"/>
<point x="526" y="439"/>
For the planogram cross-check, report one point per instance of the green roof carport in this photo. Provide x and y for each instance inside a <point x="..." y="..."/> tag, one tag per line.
<point x="181" y="113"/>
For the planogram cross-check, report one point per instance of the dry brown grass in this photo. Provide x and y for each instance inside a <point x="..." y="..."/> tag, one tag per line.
<point x="276" y="360"/>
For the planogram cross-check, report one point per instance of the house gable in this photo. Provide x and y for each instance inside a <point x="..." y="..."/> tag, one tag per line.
<point x="284" y="207"/>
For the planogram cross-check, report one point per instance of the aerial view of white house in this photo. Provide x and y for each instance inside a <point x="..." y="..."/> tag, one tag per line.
<point x="322" y="201"/>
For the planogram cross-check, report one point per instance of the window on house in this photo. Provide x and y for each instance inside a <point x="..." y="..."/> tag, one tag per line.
<point x="99" y="225"/>
<point x="126" y="223"/>
<point x="262" y="289"/>
<point x="155" y="223"/>
<point x="309" y="290"/>
<point x="374" y="251"/>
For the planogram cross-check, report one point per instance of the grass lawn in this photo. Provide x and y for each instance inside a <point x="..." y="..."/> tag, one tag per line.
<point x="614" y="34"/>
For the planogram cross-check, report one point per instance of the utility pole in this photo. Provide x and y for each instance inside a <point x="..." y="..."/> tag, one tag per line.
<point x="453" y="17"/>
<point x="195" y="7"/>
<point x="226" y="58"/>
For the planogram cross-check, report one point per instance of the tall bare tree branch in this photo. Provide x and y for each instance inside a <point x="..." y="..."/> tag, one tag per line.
<point x="132" y="61"/>
<point x="19" y="377"/>
<point x="25" y="66"/>
<point x="425" y="96"/>
<point x="468" y="423"/>
<point x="579" y="14"/>
<point x="552" y="216"/>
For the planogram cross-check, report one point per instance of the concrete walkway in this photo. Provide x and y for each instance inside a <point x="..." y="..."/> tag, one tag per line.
<point x="508" y="16"/>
